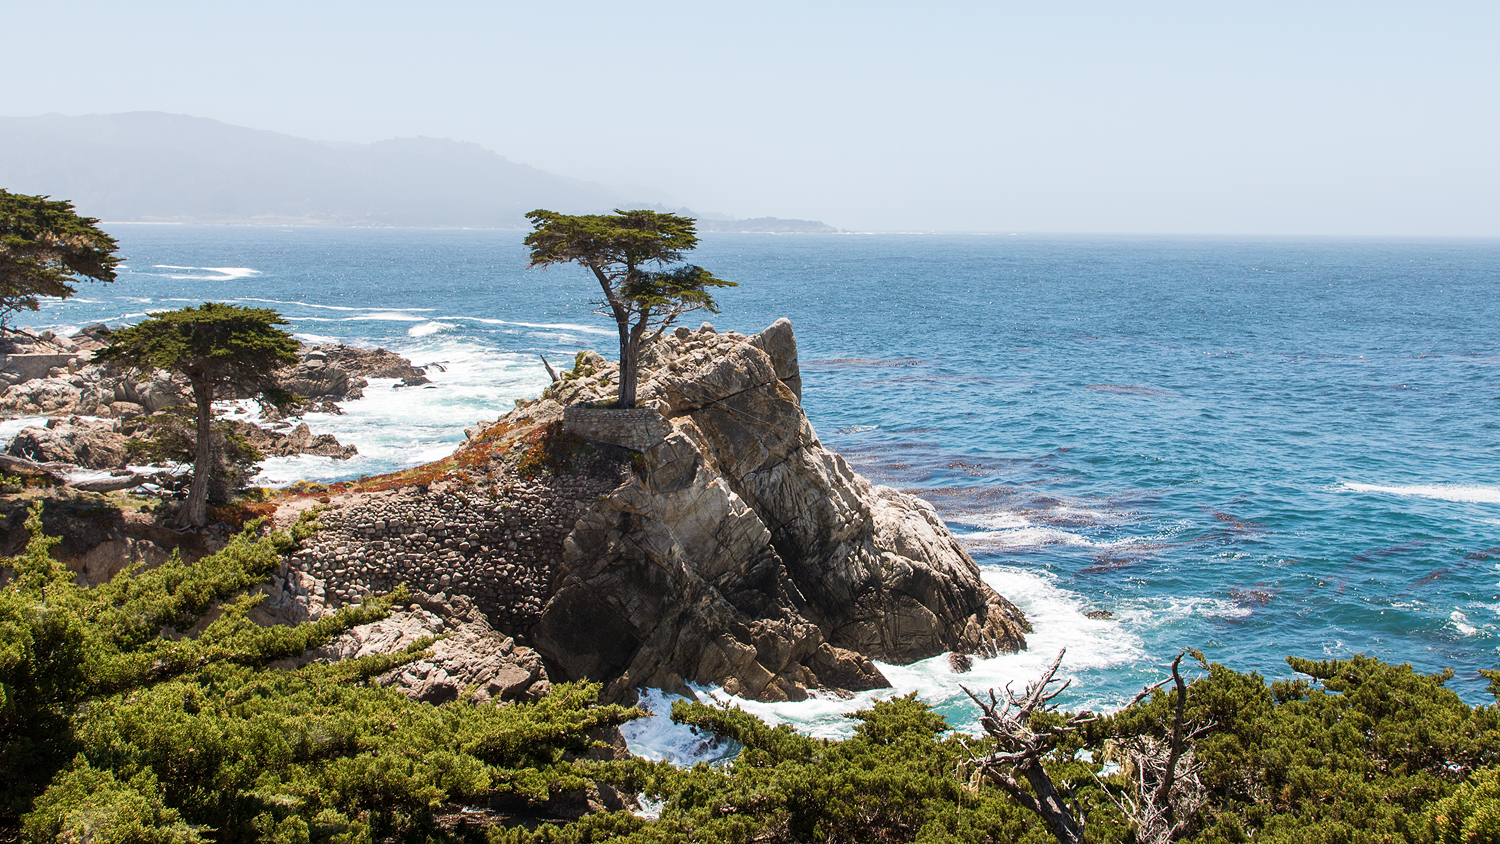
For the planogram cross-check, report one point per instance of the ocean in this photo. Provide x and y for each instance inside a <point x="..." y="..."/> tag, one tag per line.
<point x="1253" y="447"/>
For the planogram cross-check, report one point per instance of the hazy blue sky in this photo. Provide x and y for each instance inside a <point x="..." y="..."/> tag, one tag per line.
<point x="1303" y="118"/>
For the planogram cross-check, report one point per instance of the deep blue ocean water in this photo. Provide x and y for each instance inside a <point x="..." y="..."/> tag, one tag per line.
<point x="1255" y="447"/>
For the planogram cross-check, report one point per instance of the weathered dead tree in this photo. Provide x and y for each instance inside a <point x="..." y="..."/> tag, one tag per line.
<point x="1021" y="743"/>
<point x="550" y="371"/>
<point x="1163" y="771"/>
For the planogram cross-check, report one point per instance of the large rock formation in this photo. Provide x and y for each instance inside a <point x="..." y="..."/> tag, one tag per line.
<point x="706" y="538"/>
<point x="742" y="552"/>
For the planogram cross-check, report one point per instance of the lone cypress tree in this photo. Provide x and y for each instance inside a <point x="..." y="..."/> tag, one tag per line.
<point x="620" y="248"/>
<point x="44" y="245"/>
<point x="218" y="347"/>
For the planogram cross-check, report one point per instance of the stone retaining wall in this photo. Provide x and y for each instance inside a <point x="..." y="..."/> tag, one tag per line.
<point x="637" y="428"/>
<point x="500" y="548"/>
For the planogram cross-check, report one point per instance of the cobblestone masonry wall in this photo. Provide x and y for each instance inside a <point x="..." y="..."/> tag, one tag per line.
<point x="637" y="429"/>
<point x="500" y="548"/>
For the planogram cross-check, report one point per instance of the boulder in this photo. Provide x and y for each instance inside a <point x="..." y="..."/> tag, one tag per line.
<point x="92" y="445"/>
<point x="318" y="380"/>
<point x="368" y="363"/>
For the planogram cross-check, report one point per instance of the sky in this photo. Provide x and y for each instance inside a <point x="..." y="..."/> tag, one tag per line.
<point x="1324" y="118"/>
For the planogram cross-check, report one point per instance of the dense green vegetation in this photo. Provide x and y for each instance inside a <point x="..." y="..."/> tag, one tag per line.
<point x="112" y="732"/>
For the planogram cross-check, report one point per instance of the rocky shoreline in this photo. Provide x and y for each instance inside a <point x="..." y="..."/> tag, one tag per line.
<point x="706" y="538"/>
<point x="94" y="411"/>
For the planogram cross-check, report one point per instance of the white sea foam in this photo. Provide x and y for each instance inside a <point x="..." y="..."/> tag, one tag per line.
<point x="1058" y="620"/>
<point x="559" y="326"/>
<point x="1006" y="530"/>
<point x="400" y="428"/>
<point x="10" y="427"/>
<point x="658" y="739"/>
<point x="221" y="273"/>
<point x="1460" y="622"/>
<point x="428" y="328"/>
<point x="323" y="307"/>
<point x="1467" y="493"/>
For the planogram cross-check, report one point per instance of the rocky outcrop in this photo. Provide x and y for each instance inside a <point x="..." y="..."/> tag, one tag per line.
<point x="731" y="548"/>
<point x="366" y="363"/>
<point x="104" y="444"/>
<point x="53" y="375"/>
<point x="299" y="440"/>
<point x="471" y="660"/>
<point x="742" y="552"/>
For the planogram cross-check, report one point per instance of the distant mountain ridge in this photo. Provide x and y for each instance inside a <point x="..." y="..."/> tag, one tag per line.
<point x="159" y="167"/>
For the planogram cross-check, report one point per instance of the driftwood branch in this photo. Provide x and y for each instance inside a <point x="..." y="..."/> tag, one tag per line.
<point x="56" y="471"/>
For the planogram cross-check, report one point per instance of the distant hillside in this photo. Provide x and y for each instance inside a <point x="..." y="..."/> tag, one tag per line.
<point x="151" y="166"/>
<point x="764" y="224"/>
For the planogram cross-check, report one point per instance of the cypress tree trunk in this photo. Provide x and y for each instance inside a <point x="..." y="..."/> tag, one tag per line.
<point x="630" y="364"/>
<point x="1052" y="807"/>
<point x="194" y="512"/>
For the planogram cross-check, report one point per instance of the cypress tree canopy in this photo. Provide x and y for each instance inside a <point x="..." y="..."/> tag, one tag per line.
<point x="621" y="249"/>
<point x="224" y="344"/>
<point x="44" y="247"/>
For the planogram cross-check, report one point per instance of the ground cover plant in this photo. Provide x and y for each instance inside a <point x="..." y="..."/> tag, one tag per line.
<point x="146" y="709"/>
<point x="114" y="727"/>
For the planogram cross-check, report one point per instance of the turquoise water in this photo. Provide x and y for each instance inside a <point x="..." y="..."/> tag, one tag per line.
<point x="1253" y="447"/>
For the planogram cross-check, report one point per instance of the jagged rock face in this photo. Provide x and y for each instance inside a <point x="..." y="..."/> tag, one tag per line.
<point x="744" y="553"/>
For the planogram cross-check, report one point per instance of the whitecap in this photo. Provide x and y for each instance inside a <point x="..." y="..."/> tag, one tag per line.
<point x="558" y="326"/>
<point x="1008" y="531"/>
<point x="1466" y="493"/>
<point x="222" y="273"/>
<point x="391" y="315"/>
<point x="314" y="338"/>
<point x="323" y="307"/>
<point x="428" y="328"/>
<point x="1460" y="622"/>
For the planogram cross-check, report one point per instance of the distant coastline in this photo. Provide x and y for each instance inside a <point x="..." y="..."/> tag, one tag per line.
<point x="150" y="167"/>
<point x="758" y="225"/>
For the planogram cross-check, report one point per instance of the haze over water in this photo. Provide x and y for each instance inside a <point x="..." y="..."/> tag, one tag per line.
<point x="1252" y="447"/>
